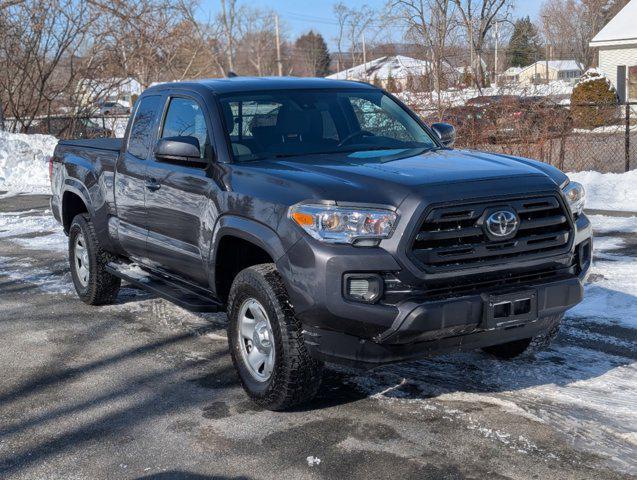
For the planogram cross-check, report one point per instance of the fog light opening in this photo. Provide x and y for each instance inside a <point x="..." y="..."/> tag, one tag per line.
<point x="366" y="288"/>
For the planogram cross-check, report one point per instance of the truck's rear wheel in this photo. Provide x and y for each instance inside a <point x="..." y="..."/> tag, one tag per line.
<point x="527" y="345"/>
<point x="266" y="342"/>
<point x="93" y="284"/>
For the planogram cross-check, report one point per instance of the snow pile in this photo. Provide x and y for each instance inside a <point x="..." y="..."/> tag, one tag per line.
<point x="23" y="162"/>
<point x="609" y="191"/>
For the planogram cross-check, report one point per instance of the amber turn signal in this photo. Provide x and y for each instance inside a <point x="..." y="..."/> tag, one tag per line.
<point x="303" y="219"/>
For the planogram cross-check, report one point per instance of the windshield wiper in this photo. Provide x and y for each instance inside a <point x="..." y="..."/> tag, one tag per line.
<point x="332" y="152"/>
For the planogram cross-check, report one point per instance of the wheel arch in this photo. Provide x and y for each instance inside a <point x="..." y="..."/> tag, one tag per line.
<point x="240" y="243"/>
<point x="74" y="202"/>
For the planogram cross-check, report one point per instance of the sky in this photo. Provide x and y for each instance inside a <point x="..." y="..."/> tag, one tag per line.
<point x="299" y="16"/>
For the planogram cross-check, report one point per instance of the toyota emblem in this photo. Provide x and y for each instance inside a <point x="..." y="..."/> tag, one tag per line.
<point x="501" y="224"/>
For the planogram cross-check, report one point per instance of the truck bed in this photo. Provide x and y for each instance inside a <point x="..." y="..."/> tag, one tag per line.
<point x="111" y="144"/>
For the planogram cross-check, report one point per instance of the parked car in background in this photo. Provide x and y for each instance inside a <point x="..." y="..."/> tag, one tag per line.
<point x="113" y="108"/>
<point x="516" y="118"/>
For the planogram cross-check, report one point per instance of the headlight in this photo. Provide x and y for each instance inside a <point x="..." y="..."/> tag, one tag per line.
<point x="334" y="224"/>
<point x="575" y="196"/>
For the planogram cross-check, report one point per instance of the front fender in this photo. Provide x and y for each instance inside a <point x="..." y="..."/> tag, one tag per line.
<point x="246" y="229"/>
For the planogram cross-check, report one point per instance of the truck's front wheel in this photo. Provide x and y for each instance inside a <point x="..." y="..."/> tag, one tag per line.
<point x="266" y="342"/>
<point x="93" y="284"/>
<point x="528" y="345"/>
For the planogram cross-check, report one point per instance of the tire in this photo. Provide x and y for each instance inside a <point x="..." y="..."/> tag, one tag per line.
<point x="527" y="346"/>
<point x="289" y="376"/>
<point x="94" y="286"/>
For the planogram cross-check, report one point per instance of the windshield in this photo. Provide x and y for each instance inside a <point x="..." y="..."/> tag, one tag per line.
<point x="281" y="124"/>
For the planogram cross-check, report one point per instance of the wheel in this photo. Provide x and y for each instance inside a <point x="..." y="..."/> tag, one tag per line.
<point x="266" y="342"/>
<point x="527" y="345"/>
<point x="93" y="284"/>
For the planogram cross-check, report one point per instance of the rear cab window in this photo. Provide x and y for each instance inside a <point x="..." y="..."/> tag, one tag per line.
<point x="142" y="130"/>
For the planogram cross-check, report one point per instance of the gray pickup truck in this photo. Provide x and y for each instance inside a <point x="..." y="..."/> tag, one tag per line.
<point x="329" y="222"/>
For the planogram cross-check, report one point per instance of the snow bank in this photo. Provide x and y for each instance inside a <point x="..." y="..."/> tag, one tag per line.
<point x="23" y="162"/>
<point x="609" y="191"/>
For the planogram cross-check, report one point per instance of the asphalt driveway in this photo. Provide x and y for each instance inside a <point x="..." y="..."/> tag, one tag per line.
<point x="144" y="389"/>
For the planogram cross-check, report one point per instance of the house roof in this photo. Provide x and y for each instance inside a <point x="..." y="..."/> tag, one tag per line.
<point x="622" y="28"/>
<point x="559" y="65"/>
<point x="512" y="71"/>
<point x="399" y="66"/>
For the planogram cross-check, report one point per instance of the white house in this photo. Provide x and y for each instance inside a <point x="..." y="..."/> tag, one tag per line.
<point x="510" y="75"/>
<point x="566" y="70"/>
<point x="399" y="67"/>
<point x="617" y="49"/>
<point x="122" y="90"/>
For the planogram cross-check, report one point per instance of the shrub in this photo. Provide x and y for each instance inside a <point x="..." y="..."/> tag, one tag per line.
<point x="593" y="101"/>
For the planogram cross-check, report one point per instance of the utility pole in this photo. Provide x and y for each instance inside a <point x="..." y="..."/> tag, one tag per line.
<point x="548" y="53"/>
<point x="279" y="63"/>
<point x="495" y="61"/>
<point x="365" y="57"/>
<point x="228" y="25"/>
<point x="548" y="49"/>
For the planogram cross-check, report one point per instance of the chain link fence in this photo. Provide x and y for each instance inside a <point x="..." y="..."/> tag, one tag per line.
<point x="66" y="127"/>
<point x="573" y="138"/>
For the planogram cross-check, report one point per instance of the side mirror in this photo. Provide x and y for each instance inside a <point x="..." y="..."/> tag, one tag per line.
<point x="446" y="133"/>
<point x="180" y="150"/>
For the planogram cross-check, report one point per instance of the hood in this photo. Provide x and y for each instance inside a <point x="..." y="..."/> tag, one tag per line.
<point x="388" y="176"/>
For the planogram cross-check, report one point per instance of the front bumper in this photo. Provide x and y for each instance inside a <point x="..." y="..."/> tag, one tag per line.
<point x="430" y="328"/>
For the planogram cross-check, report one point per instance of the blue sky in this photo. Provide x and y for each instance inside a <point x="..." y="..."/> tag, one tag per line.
<point x="299" y="16"/>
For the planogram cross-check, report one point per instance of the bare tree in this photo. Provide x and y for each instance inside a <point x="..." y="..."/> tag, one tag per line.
<point x="353" y="23"/>
<point x="256" y="46"/>
<point x="230" y="22"/>
<point x="478" y="17"/>
<point x="430" y="23"/>
<point x="40" y="55"/>
<point x="570" y="25"/>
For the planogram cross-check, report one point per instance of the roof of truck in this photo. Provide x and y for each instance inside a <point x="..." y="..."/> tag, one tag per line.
<point x="248" y="84"/>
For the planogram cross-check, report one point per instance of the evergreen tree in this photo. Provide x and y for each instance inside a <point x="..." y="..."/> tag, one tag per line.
<point x="313" y="54"/>
<point x="391" y="85"/>
<point x="524" y="44"/>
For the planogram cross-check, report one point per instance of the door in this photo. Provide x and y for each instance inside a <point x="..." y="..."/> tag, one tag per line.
<point x="130" y="177"/>
<point x="178" y="205"/>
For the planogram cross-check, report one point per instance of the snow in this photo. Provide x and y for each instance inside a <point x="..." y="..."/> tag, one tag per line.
<point x="621" y="27"/>
<point x="593" y="75"/>
<point x="24" y="162"/>
<point x="609" y="191"/>
<point x="23" y="224"/>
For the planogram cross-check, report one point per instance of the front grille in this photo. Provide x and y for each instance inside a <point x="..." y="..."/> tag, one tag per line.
<point x="452" y="238"/>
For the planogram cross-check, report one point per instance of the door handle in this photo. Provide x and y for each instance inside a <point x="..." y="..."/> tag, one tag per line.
<point x="153" y="185"/>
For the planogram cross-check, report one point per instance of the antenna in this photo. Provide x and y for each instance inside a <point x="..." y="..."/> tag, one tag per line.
<point x="231" y="74"/>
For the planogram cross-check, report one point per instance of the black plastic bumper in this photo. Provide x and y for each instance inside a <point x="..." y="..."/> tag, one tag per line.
<point x="455" y="324"/>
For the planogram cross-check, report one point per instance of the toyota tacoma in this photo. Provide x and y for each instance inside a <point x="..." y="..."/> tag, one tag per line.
<point x="328" y="221"/>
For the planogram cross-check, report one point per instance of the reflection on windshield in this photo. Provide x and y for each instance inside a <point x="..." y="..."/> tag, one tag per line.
<point x="281" y="124"/>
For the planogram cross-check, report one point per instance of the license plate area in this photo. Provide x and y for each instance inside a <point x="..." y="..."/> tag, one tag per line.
<point x="510" y="309"/>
